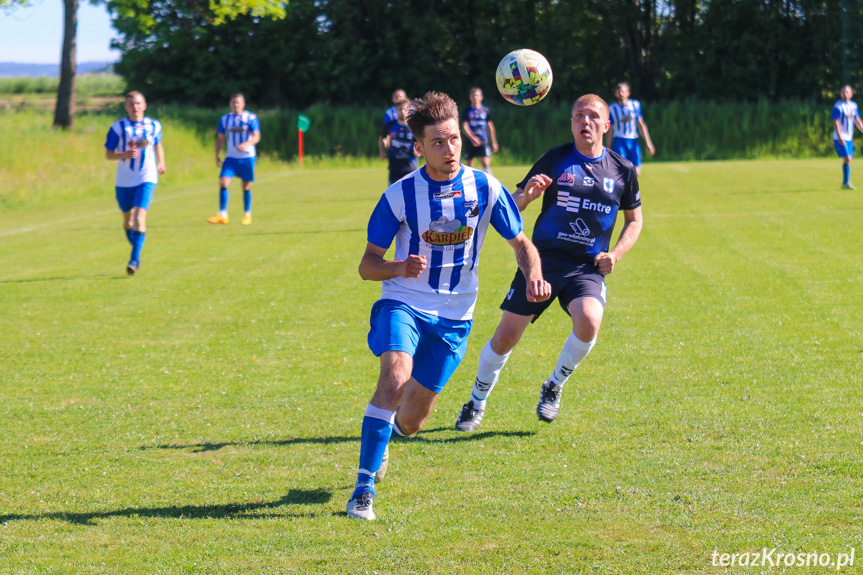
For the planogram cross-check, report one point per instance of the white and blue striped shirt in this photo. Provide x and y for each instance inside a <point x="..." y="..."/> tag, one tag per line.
<point x="238" y="128"/>
<point x="846" y="113"/>
<point x="625" y="118"/>
<point x="447" y="223"/>
<point x="126" y="135"/>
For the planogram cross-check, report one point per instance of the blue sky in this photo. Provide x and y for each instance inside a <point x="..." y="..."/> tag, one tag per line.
<point x="34" y="35"/>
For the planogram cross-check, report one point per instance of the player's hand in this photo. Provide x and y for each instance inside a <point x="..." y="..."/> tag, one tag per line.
<point x="131" y="154"/>
<point x="538" y="290"/>
<point x="651" y="149"/>
<point x="604" y="262"/>
<point x="218" y="162"/>
<point x="536" y="186"/>
<point x="243" y="147"/>
<point x="494" y="147"/>
<point x="160" y="168"/>
<point x="475" y="141"/>
<point x="414" y="266"/>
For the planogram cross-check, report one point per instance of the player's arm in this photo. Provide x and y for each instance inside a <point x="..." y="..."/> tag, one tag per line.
<point x="374" y="267"/>
<point x="160" y="157"/>
<point x="470" y="135"/>
<point x="534" y="189"/>
<point x="527" y="258"/>
<point x="859" y="123"/>
<point x="492" y="137"/>
<point x="220" y="143"/>
<point x="127" y="155"/>
<point x="632" y="224"/>
<point x="253" y="139"/>
<point x="642" y="127"/>
<point x="837" y="125"/>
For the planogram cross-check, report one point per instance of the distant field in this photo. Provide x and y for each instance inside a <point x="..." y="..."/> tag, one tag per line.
<point x="204" y="416"/>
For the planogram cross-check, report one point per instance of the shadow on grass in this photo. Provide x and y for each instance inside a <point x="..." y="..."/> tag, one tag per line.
<point x="66" y="278"/>
<point x="203" y="447"/>
<point x="228" y="510"/>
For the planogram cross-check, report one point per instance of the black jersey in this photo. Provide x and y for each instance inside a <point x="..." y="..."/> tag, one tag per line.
<point x="579" y="207"/>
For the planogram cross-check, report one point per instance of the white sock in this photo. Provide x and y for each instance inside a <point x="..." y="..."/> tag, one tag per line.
<point x="487" y="374"/>
<point x="572" y="354"/>
<point x="223" y="213"/>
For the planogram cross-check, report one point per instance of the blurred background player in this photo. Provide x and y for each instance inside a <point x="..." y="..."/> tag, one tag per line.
<point x="584" y="186"/>
<point x="845" y="115"/>
<point x="399" y="141"/>
<point x="438" y="217"/>
<point x="241" y="130"/>
<point x="477" y="125"/>
<point x="136" y="142"/>
<point x="626" y="117"/>
<point x="390" y="116"/>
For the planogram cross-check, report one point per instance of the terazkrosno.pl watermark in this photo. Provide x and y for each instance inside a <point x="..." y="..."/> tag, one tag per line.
<point x="775" y="558"/>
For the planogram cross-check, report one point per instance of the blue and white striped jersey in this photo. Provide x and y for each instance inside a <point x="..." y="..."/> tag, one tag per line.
<point x="846" y="113"/>
<point x="237" y="129"/>
<point x="125" y="135"/>
<point x="391" y="115"/>
<point x="625" y="118"/>
<point x="447" y="223"/>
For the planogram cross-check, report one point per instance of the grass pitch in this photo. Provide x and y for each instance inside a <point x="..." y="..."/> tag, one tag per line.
<point x="204" y="416"/>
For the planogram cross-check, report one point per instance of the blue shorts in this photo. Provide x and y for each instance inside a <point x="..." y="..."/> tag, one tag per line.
<point x="135" y="197"/>
<point x="243" y="168"/>
<point x="844" y="149"/>
<point x="628" y="148"/>
<point x="436" y="344"/>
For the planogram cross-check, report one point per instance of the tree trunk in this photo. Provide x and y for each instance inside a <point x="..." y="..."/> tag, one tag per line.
<point x="64" y="113"/>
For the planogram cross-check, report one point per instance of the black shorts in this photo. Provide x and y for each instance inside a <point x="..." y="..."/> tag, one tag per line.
<point x="400" y="169"/>
<point x="579" y="280"/>
<point x="469" y="151"/>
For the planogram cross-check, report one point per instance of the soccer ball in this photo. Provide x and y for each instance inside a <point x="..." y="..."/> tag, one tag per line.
<point x="523" y="77"/>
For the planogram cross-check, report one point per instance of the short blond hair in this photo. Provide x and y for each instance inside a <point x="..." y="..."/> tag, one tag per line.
<point x="135" y="94"/>
<point x="592" y="99"/>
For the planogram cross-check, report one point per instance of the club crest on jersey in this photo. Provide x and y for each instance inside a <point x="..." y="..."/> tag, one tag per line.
<point x="443" y="232"/>
<point x="608" y="185"/>
<point x="566" y="179"/>
<point x="471" y="208"/>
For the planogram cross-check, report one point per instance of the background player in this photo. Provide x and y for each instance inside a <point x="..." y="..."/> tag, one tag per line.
<point x="137" y="143"/>
<point x="241" y="130"/>
<point x="438" y="217"/>
<point x="477" y="125"/>
<point x="626" y="117"/>
<point x="399" y="142"/>
<point x="584" y="188"/>
<point x="390" y="116"/>
<point x="845" y="115"/>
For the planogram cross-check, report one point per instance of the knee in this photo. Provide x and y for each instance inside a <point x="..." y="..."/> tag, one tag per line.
<point x="223" y="182"/>
<point x="409" y="425"/>
<point x="587" y="328"/>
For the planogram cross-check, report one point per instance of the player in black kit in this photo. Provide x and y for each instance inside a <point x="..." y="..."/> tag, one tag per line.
<point x="583" y="186"/>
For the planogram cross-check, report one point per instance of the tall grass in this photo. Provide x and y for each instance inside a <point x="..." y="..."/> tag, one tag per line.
<point x="86" y="85"/>
<point x="685" y="130"/>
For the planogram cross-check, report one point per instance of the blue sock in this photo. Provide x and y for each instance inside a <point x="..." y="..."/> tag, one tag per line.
<point x="377" y="428"/>
<point x="137" y="244"/>
<point x="846" y="173"/>
<point x="223" y="199"/>
<point x="128" y="234"/>
<point x="247" y="200"/>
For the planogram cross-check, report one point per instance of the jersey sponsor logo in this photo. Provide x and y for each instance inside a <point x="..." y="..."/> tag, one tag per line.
<point x="443" y="232"/>
<point x="608" y="185"/>
<point x="579" y="227"/>
<point x="447" y="194"/>
<point x="574" y="204"/>
<point x="139" y="142"/>
<point x="566" y="179"/>
<point x="588" y="181"/>
<point x="237" y="130"/>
